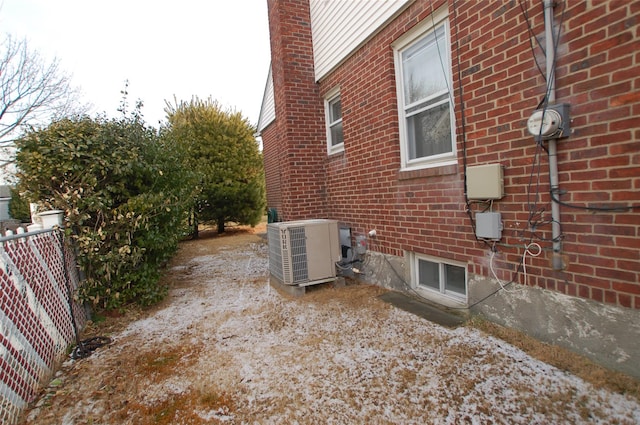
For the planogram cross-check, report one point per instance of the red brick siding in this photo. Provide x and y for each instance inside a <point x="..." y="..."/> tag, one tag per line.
<point x="297" y="147"/>
<point x="424" y="211"/>
<point x="273" y="172"/>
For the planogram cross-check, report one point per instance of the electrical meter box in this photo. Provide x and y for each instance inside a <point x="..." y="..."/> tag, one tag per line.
<point x="485" y="182"/>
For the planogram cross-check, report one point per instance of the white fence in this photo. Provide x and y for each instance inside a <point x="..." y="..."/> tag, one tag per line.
<point x="38" y="320"/>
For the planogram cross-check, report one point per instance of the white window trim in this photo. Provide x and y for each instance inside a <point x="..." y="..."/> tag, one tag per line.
<point x="439" y="17"/>
<point x="447" y="298"/>
<point x="331" y="96"/>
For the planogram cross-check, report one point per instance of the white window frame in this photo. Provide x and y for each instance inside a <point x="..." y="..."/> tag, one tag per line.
<point x="329" y="99"/>
<point x="442" y="295"/>
<point x="422" y="30"/>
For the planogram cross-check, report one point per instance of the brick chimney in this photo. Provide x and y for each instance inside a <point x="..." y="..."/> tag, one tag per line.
<point x="294" y="146"/>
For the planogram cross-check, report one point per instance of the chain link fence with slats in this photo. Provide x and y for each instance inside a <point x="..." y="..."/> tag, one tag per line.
<point x="38" y="320"/>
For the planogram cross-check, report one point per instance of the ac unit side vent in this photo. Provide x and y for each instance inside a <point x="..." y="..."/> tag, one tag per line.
<point x="276" y="246"/>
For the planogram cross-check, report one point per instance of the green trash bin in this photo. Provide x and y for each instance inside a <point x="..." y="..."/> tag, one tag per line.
<point x="272" y="215"/>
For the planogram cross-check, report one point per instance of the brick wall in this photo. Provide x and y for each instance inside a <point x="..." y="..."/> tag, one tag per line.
<point x="424" y="211"/>
<point x="298" y="147"/>
<point x="273" y="173"/>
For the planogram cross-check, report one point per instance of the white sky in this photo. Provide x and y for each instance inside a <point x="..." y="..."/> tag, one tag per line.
<point x="186" y="48"/>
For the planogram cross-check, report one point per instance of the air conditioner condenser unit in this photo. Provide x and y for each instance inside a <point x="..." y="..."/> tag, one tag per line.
<point x="303" y="252"/>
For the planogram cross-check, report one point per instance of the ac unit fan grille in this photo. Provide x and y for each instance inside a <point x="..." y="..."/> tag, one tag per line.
<point x="276" y="263"/>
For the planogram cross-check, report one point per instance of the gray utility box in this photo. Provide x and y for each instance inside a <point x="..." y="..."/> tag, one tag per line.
<point x="489" y="225"/>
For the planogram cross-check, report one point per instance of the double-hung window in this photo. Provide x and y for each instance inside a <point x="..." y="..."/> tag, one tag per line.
<point x="333" y="112"/>
<point x="423" y="75"/>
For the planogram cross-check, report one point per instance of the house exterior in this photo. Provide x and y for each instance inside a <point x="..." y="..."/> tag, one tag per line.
<point x="493" y="146"/>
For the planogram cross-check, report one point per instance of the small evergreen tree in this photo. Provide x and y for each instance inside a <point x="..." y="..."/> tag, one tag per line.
<point x="220" y="146"/>
<point x="19" y="207"/>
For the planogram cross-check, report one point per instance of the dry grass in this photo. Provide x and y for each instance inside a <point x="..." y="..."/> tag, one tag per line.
<point x="356" y="359"/>
<point x="154" y="367"/>
<point x="182" y="407"/>
<point x="563" y="359"/>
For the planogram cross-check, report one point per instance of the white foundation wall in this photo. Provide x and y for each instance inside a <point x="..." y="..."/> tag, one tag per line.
<point x="606" y="334"/>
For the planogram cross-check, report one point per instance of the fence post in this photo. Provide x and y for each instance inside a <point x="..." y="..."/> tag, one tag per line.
<point x="67" y="283"/>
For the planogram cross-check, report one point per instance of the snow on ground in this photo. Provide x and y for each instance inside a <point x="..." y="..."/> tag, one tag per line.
<point x="338" y="355"/>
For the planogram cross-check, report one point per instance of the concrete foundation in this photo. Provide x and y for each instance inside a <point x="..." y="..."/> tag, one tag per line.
<point x="299" y="290"/>
<point x="606" y="334"/>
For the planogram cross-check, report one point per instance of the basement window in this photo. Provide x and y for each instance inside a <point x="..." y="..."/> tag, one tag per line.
<point x="439" y="277"/>
<point x="333" y="112"/>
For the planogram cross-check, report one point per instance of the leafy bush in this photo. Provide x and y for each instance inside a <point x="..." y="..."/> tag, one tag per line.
<point x="124" y="195"/>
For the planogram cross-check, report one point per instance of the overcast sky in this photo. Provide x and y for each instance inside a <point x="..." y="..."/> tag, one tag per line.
<point x="217" y="48"/>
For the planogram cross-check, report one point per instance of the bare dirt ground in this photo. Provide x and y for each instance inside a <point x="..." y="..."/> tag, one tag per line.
<point x="225" y="347"/>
